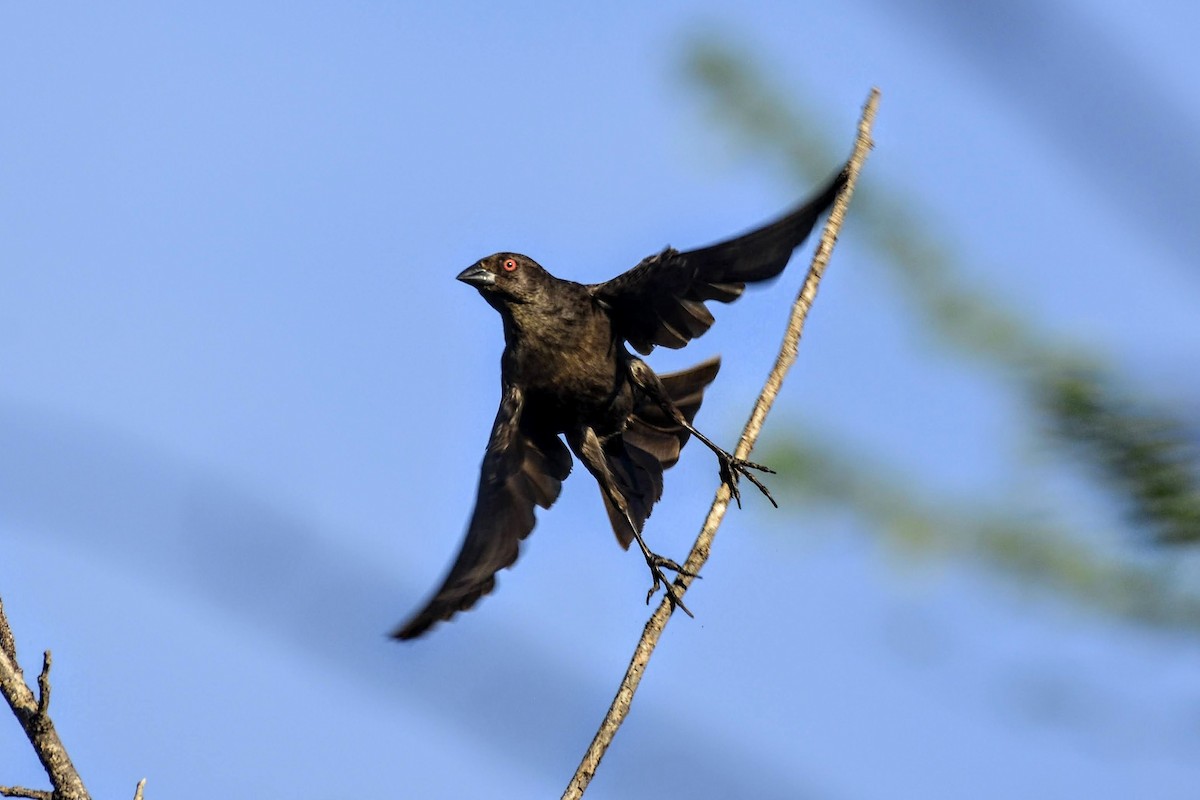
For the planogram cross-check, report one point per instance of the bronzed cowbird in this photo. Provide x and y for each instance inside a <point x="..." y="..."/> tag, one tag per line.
<point x="566" y="372"/>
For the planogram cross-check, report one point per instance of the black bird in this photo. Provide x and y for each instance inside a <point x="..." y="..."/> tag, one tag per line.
<point x="565" y="370"/>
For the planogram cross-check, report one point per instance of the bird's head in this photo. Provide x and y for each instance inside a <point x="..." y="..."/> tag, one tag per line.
<point x="506" y="278"/>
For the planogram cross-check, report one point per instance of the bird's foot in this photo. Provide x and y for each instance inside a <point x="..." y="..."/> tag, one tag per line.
<point x="732" y="468"/>
<point x="657" y="563"/>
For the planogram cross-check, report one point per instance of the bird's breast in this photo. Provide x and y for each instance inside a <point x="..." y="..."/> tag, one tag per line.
<point x="570" y="373"/>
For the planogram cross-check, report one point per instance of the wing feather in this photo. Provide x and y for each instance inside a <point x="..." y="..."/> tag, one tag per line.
<point x="523" y="467"/>
<point x="661" y="300"/>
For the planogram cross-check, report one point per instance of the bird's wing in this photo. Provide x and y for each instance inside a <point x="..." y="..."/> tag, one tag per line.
<point x="522" y="466"/>
<point x="661" y="300"/>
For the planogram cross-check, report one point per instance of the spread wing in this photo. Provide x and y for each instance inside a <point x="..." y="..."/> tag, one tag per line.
<point x="522" y="466"/>
<point x="661" y="300"/>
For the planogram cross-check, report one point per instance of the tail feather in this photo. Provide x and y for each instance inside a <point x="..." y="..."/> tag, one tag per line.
<point x="639" y="478"/>
<point x="652" y="430"/>
<point x="651" y="443"/>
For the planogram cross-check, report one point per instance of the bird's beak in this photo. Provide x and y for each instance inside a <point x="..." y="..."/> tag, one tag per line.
<point x="477" y="276"/>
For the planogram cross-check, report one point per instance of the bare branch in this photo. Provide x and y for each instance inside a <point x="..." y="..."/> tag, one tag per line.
<point x="7" y="645"/>
<point x="43" y="706"/>
<point x="31" y="712"/>
<point x="21" y="791"/>
<point x="700" y="550"/>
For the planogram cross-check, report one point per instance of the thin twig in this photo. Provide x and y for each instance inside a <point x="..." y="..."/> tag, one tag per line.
<point x="21" y="791"/>
<point x="700" y="550"/>
<point x="43" y="706"/>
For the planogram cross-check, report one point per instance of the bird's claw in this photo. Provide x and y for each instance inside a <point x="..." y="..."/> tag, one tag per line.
<point x="732" y="468"/>
<point x="657" y="563"/>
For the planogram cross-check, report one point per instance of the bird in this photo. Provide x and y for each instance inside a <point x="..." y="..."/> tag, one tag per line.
<point x="567" y="374"/>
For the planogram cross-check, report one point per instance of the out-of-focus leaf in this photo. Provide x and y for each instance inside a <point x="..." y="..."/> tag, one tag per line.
<point x="1141" y="455"/>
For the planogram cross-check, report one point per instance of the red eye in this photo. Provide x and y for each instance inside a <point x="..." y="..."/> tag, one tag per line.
<point x="509" y="265"/>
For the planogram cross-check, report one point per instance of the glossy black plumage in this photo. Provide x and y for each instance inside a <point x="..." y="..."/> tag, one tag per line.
<point x="565" y="371"/>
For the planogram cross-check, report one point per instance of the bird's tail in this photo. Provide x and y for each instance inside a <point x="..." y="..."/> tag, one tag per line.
<point x="651" y="443"/>
<point x="652" y="430"/>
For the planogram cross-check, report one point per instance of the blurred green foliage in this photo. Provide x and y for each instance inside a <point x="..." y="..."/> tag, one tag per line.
<point x="1081" y="409"/>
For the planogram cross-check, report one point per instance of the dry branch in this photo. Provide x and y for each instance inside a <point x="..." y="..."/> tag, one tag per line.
<point x="33" y="714"/>
<point x="700" y="550"/>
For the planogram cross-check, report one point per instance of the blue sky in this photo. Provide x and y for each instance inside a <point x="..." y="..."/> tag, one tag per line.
<point x="228" y="237"/>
